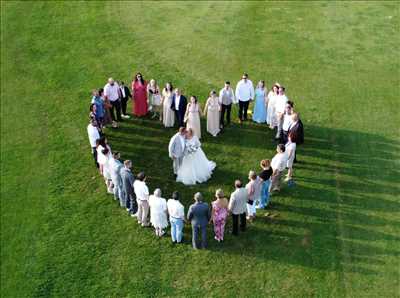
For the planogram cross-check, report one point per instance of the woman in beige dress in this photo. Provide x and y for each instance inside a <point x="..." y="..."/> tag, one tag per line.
<point x="212" y="110"/>
<point x="154" y="98"/>
<point x="166" y="101"/>
<point x="192" y="116"/>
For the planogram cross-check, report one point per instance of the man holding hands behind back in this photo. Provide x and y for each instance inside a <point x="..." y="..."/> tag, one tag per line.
<point x="199" y="215"/>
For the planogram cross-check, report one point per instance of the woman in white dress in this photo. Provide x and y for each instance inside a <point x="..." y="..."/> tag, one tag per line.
<point x="104" y="154"/>
<point x="166" y="101"/>
<point x="154" y="96"/>
<point x="212" y="110"/>
<point x="158" y="212"/>
<point x="272" y="121"/>
<point x="195" y="168"/>
<point x="192" y="116"/>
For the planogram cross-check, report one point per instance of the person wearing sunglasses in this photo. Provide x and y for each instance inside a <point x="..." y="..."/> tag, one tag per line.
<point x="244" y="94"/>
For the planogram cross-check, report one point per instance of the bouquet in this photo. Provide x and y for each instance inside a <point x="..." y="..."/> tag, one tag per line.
<point x="191" y="148"/>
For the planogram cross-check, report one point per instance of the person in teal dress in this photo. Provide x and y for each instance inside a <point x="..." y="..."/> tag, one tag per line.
<point x="260" y="107"/>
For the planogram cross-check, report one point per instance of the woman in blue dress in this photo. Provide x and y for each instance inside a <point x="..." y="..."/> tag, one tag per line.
<point x="260" y="108"/>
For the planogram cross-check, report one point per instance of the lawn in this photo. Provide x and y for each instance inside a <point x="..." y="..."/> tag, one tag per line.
<point x="335" y="234"/>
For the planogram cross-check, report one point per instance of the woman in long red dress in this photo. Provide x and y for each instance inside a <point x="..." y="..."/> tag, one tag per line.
<point x="139" y="92"/>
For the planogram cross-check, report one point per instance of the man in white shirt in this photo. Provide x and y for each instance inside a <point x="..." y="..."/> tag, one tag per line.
<point x="278" y="165"/>
<point x="226" y="98"/>
<point x="238" y="207"/>
<point x="113" y="93"/>
<point x="94" y="136"/>
<point x="176" y="213"/>
<point x="244" y="94"/>
<point x="280" y="105"/>
<point x="142" y="198"/>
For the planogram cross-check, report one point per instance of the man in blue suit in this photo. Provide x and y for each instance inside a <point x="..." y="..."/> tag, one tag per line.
<point x="178" y="105"/>
<point x="199" y="215"/>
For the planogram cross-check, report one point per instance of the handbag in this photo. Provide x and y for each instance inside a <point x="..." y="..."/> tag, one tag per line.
<point x="250" y="202"/>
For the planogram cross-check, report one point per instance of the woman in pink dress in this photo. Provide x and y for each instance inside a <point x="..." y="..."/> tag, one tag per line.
<point x="139" y="96"/>
<point x="219" y="214"/>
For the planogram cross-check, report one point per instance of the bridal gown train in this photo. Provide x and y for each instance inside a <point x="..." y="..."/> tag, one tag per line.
<point x="195" y="168"/>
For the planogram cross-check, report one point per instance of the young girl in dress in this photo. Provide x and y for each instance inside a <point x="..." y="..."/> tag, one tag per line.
<point x="93" y="115"/>
<point x="192" y="116"/>
<point x="219" y="214"/>
<point x="212" y="110"/>
<point x="153" y="94"/>
<point x="107" y="106"/>
<point x="168" y="114"/>
<point x="290" y="149"/>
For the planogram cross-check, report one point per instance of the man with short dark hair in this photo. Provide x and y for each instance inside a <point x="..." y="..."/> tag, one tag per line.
<point x="176" y="149"/>
<point x="142" y="198"/>
<point x="244" y="94"/>
<point x="199" y="215"/>
<point x="127" y="198"/>
<point x="113" y="93"/>
<point x="125" y="95"/>
<point x="238" y="207"/>
<point x="178" y="105"/>
<point x="226" y="98"/>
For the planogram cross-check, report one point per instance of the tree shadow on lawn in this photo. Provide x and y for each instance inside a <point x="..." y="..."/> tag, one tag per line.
<point x="334" y="193"/>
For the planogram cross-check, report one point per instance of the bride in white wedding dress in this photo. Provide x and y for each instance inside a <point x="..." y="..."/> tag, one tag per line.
<point x="195" y="168"/>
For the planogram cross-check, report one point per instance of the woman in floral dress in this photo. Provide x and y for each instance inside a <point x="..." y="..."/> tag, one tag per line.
<point x="219" y="214"/>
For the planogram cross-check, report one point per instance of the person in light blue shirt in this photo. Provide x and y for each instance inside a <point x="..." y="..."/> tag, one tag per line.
<point x="260" y="107"/>
<point x="98" y="101"/>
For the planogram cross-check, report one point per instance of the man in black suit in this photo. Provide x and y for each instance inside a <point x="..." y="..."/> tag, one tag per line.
<point x="179" y="103"/>
<point x="296" y="130"/>
<point x="125" y="95"/>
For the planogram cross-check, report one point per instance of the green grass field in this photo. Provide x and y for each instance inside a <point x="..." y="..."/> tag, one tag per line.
<point x="337" y="232"/>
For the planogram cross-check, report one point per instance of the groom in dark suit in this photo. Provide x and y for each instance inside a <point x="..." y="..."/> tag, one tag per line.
<point x="179" y="103"/>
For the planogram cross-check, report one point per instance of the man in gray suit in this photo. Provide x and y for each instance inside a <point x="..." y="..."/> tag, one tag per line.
<point x="199" y="215"/>
<point x="238" y="207"/>
<point x="176" y="148"/>
<point x="127" y="198"/>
